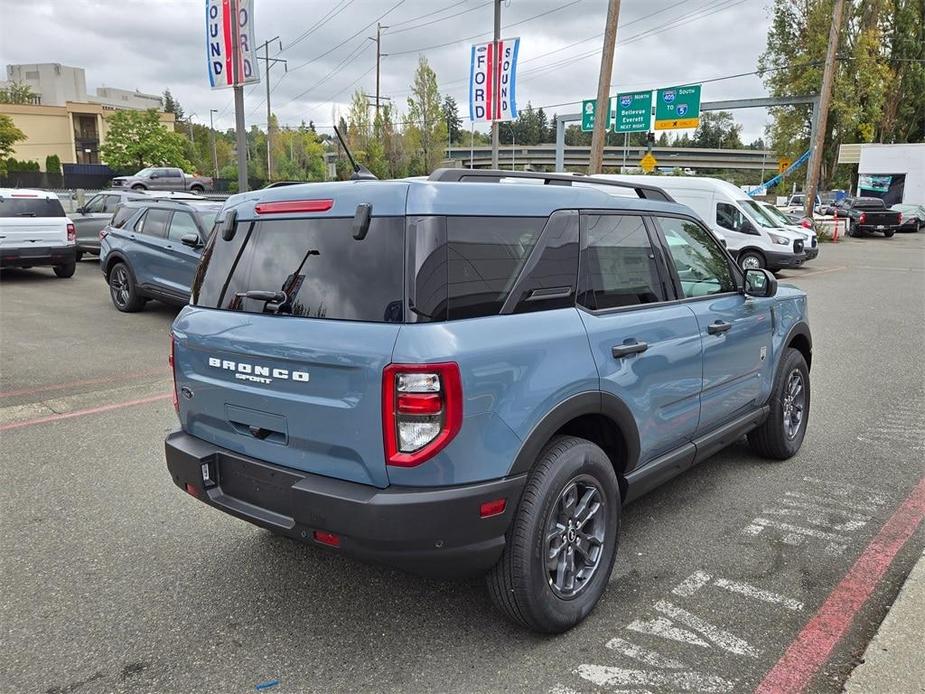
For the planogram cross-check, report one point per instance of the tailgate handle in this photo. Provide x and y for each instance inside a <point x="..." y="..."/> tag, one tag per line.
<point x="259" y="432"/>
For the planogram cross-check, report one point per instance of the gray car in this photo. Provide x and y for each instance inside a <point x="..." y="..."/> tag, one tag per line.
<point x="95" y="215"/>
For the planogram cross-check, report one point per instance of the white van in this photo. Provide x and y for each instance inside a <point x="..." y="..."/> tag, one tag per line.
<point x="35" y="231"/>
<point x="753" y="238"/>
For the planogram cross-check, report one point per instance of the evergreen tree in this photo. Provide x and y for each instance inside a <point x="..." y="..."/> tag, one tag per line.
<point x="451" y="117"/>
<point x="171" y="105"/>
<point x="426" y="132"/>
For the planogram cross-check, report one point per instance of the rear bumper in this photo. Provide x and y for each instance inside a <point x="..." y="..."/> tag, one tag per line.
<point x="37" y="255"/>
<point x="426" y="530"/>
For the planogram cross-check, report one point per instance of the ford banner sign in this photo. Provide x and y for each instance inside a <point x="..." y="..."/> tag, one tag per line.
<point x="228" y="22"/>
<point x="492" y="81"/>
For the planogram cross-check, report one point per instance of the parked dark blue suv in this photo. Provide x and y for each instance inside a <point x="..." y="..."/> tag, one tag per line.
<point x="150" y="250"/>
<point x="460" y="375"/>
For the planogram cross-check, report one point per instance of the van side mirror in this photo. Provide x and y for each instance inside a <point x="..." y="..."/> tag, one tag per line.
<point x="191" y="240"/>
<point x="760" y="283"/>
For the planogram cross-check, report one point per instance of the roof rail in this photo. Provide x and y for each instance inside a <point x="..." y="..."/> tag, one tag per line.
<point x="643" y="190"/>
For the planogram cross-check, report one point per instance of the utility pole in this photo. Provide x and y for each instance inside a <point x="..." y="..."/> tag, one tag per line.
<point x="236" y="66"/>
<point x="825" y="97"/>
<point x="189" y="122"/>
<point x="379" y="56"/>
<point x="214" y="151"/>
<point x="495" y="87"/>
<point x="268" y="62"/>
<point x="602" y="112"/>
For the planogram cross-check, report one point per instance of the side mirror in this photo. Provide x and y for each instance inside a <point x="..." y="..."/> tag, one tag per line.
<point x="760" y="283"/>
<point x="153" y="176"/>
<point x="191" y="240"/>
<point x="724" y="243"/>
<point x="81" y="210"/>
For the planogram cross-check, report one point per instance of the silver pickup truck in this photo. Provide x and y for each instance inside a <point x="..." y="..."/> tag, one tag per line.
<point x="163" y="178"/>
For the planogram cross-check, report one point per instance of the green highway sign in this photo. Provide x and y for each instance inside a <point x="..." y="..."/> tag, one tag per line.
<point x="677" y="107"/>
<point x="633" y="111"/>
<point x="588" y="107"/>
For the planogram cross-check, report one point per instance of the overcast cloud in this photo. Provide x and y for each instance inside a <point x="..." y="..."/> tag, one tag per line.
<point x="156" y="44"/>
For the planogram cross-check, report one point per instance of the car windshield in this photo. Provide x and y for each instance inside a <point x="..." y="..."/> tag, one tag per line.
<point x="775" y="213"/>
<point x="757" y="213"/>
<point x="144" y="173"/>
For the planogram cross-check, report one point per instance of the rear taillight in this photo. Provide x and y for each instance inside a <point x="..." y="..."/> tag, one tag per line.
<point x="863" y="218"/>
<point x="806" y="223"/>
<point x="421" y="410"/>
<point x="173" y="370"/>
<point x="71" y="233"/>
<point x="900" y="218"/>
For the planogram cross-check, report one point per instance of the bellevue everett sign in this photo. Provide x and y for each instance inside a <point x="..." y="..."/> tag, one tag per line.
<point x="631" y="112"/>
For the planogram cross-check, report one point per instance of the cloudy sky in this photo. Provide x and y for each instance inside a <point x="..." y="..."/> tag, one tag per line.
<point x="151" y="45"/>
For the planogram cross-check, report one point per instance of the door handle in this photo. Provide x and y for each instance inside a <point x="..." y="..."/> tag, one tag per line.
<point x="626" y="349"/>
<point x="718" y="327"/>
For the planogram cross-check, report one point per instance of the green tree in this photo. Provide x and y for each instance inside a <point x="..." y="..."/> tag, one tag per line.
<point x="451" y="117"/>
<point x="426" y="131"/>
<point x="137" y="139"/>
<point x="17" y="93"/>
<point x="171" y="105"/>
<point x="9" y="135"/>
<point x="53" y="163"/>
<point x="717" y="130"/>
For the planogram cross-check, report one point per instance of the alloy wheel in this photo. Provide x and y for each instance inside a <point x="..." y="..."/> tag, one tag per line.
<point x="794" y="404"/>
<point x="119" y="286"/>
<point x="575" y="532"/>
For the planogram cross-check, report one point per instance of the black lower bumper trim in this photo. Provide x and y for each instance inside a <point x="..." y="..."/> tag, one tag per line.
<point x="26" y="256"/>
<point x="432" y="531"/>
<point x="776" y="261"/>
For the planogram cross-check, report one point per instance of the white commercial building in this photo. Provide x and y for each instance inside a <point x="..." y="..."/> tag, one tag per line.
<point x="57" y="84"/>
<point x="893" y="172"/>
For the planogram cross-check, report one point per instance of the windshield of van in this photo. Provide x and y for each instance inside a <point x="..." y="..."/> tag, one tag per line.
<point x="312" y="268"/>
<point x="775" y="213"/>
<point x="760" y="215"/>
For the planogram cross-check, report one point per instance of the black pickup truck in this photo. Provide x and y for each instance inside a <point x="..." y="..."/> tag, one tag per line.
<point x="867" y="215"/>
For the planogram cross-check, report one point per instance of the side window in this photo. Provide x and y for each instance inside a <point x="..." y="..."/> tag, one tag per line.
<point x="729" y="216"/>
<point x="618" y="265"/>
<point x="94" y="205"/>
<point x="702" y="266"/>
<point x="122" y="215"/>
<point x="484" y="258"/>
<point x="427" y="290"/>
<point x="154" y="223"/>
<point x="171" y="173"/>
<point x="181" y="225"/>
<point x="110" y="203"/>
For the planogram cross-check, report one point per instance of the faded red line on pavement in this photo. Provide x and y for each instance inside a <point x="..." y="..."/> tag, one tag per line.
<point x="80" y="413"/>
<point x="812" y="647"/>
<point x="85" y="382"/>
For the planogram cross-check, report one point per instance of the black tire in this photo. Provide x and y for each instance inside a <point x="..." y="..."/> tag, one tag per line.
<point x="65" y="271"/>
<point x="79" y="256"/>
<point x="122" y="289"/>
<point x="521" y="583"/>
<point x="138" y="186"/>
<point x="199" y="190"/>
<point x="889" y="233"/>
<point x="778" y="438"/>
<point x="753" y="258"/>
<point x="852" y="230"/>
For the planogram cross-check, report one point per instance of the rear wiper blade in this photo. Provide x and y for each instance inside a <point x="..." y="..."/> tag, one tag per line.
<point x="26" y="214"/>
<point x="259" y="295"/>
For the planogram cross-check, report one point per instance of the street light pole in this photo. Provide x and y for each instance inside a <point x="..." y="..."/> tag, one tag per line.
<point x="494" y="88"/>
<point x="214" y="151"/>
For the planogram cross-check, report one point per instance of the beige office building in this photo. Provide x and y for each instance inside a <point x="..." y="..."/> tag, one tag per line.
<point x="64" y="119"/>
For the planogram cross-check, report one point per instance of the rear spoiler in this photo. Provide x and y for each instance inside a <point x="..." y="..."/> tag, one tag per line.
<point x="643" y="190"/>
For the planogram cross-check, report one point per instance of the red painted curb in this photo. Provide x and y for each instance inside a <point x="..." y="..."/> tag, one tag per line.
<point x="80" y="413"/>
<point x="812" y="647"/>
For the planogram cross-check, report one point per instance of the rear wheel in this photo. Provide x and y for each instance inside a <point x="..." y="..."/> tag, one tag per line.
<point x="751" y="260"/>
<point x="562" y="543"/>
<point x="889" y="233"/>
<point x="781" y="435"/>
<point x="199" y="190"/>
<point x="122" y="289"/>
<point x="65" y="270"/>
<point x="79" y="257"/>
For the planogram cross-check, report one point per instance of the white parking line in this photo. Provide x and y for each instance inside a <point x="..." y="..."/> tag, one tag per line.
<point x="644" y="655"/>
<point x="664" y="628"/>
<point x="758" y="594"/>
<point x="605" y="676"/>
<point x="722" y="638"/>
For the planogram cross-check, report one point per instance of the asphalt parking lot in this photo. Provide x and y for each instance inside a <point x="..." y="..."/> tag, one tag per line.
<point x="113" y="580"/>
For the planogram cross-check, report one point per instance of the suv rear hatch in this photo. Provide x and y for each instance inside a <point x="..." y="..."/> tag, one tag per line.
<point x="31" y="220"/>
<point x="281" y="355"/>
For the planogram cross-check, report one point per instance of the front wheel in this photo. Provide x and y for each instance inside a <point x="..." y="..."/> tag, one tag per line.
<point x="781" y="435"/>
<point x="562" y="543"/>
<point x="138" y="187"/>
<point x="65" y="271"/>
<point x="751" y="260"/>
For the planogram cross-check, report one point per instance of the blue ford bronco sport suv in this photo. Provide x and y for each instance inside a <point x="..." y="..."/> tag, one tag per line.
<point x="469" y="374"/>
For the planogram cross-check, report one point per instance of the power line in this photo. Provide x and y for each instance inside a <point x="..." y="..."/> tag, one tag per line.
<point x="442" y="19"/>
<point x="339" y="7"/>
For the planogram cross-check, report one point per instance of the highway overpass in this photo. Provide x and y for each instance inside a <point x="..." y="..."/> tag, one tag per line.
<point x="543" y="157"/>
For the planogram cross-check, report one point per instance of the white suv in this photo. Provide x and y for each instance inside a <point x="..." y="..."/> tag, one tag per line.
<point x="34" y="230"/>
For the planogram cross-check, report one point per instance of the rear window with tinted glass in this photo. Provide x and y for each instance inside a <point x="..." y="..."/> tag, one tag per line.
<point x="315" y="266"/>
<point x="30" y="207"/>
